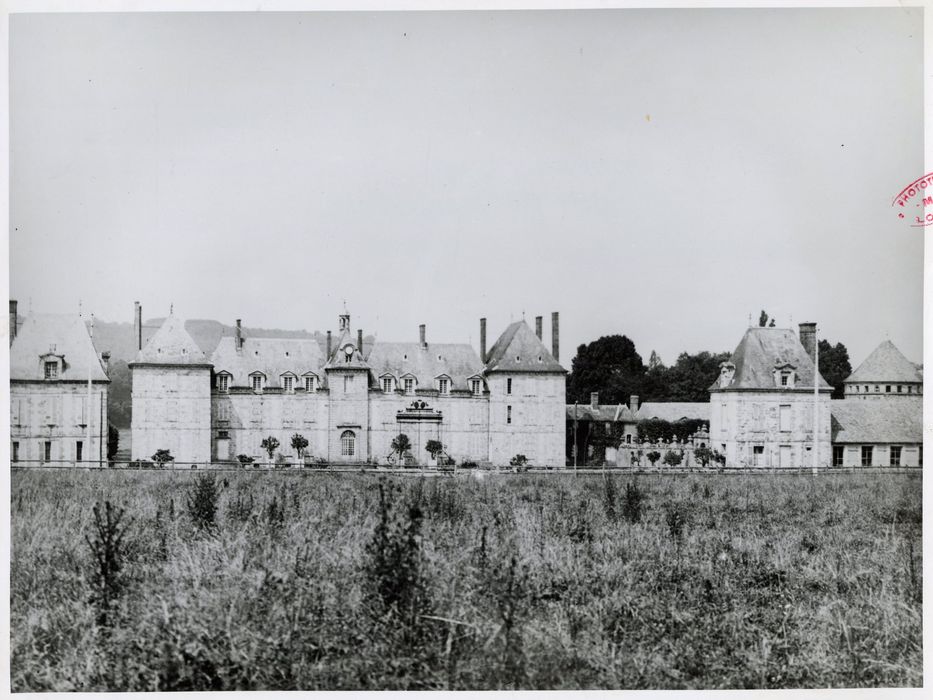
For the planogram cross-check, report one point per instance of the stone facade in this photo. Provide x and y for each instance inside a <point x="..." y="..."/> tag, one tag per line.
<point x="761" y="406"/>
<point x="57" y="417"/>
<point x="349" y="400"/>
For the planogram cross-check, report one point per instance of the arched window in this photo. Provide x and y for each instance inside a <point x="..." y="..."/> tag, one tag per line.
<point x="348" y="443"/>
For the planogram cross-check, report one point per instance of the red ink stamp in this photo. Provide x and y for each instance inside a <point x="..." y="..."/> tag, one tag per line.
<point x="917" y="195"/>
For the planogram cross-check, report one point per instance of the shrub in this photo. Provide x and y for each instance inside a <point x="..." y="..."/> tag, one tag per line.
<point x="162" y="457"/>
<point x="270" y="445"/>
<point x="299" y="444"/>
<point x="241" y="508"/>
<point x="244" y="460"/>
<point x="610" y="496"/>
<point x="202" y="502"/>
<point x="400" y="445"/>
<point x="109" y="552"/>
<point x="468" y="464"/>
<point x="518" y="460"/>
<point x="653" y="457"/>
<point x="676" y="518"/>
<point x="673" y="458"/>
<point x="434" y="448"/>
<point x="633" y="504"/>
<point x="703" y="455"/>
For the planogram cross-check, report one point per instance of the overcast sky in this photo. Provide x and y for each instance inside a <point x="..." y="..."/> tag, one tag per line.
<point x="661" y="174"/>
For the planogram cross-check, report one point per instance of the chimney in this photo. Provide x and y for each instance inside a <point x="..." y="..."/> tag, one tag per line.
<point x="14" y="320"/>
<point x="239" y="336"/>
<point x="421" y="328"/>
<point x="105" y="361"/>
<point x="538" y="328"/>
<point x="328" y="345"/>
<point x="555" y="336"/>
<point x="808" y="338"/>
<point x="482" y="340"/>
<point x="138" y="325"/>
<point x="633" y="403"/>
<point x="594" y="399"/>
<point x="359" y="341"/>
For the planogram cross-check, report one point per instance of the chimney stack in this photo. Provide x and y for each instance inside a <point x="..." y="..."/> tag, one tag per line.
<point x="105" y="361"/>
<point x="808" y="338"/>
<point x="328" y="345"/>
<point x="482" y="340"/>
<point x="633" y="403"/>
<point x="239" y="336"/>
<point x="421" y="335"/>
<point x="138" y="325"/>
<point x="359" y="341"/>
<point x="538" y="327"/>
<point x="555" y="336"/>
<point x="594" y="399"/>
<point x="14" y="320"/>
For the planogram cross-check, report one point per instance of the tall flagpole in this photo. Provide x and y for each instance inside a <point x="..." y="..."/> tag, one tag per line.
<point x="816" y="400"/>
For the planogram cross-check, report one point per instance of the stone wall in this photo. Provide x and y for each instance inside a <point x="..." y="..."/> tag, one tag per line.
<point x="172" y="410"/>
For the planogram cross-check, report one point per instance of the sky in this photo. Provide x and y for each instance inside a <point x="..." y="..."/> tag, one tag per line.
<point x="662" y="174"/>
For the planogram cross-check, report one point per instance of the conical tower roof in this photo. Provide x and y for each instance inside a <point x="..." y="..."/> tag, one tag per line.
<point x="886" y="364"/>
<point x="172" y="345"/>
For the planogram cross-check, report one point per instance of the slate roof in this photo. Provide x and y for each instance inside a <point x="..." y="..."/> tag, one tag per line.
<point x="885" y="364"/>
<point x="673" y="411"/>
<point x="603" y="412"/>
<point x="337" y="357"/>
<point x="271" y="356"/>
<point x="518" y="349"/>
<point x="867" y="422"/>
<point x="70" y="339"/>
<point x="458" y="361"/>
<point x="757" y="354"/>
<point x="172" y="345"/>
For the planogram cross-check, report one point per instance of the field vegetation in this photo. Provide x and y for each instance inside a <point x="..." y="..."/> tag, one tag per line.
<point x="187" y="581"/>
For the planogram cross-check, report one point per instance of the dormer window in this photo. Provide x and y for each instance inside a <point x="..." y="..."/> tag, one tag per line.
<point x="409" y="385"/>
<point x="476" y="386"/>
<point x="387" y="385"/>
<point x="51" y="369"/>
<point x="288" y="383"/>
<point x="726" y="373"/>
<point x="443" y="385"/>
<point x="785" y="375"/>
<point x="256" y="382"/>
<point x="223" y="381"/>
<point x="309" y="383"/>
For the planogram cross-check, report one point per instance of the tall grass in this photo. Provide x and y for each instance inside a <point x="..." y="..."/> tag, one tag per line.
<point x="344" y="582"/>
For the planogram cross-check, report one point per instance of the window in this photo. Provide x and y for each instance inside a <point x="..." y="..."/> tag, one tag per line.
<point x="222" y="381"/>
<point x="866" y="455"/>
<point x="839" y="455"/>
<point x="508" y="385"/>
<point x="628" y="439"/>
<point x="79" y="451"/>
<point x="895" y="455"/>
<point x="910" y="390"/>
<point x="256" y="382"/>
<point x="348" y="384"/>
<point x="476" y="386"/>
<point x="309" y="383"/>
<point x="443" y="385"/>
<point x="15" y="452"/>
<point x="784" y="378"/>
<point x="47" y="451"/>
<point x="223" y="412"/>
<point x="508" y="415"/>
<point x="786" y="418"/>
<point x="51" y="370"/>
<point x="877" y="388"/>
<point x="288" y="384"/>
<point x="866" y="389"/>
<point x="758" y="454"/>
<point x="387" y="384"/>
<point x="348" y="443"/>
<point x="887" y="389"/>
<point x="409" y="385"/>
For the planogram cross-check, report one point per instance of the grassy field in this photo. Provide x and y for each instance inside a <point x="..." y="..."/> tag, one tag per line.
<point x="316" y="581"/>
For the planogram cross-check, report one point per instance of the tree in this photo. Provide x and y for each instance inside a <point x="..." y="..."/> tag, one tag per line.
<point x="119" y="395"/>
<point x="690" y="377"/>
<point x="113" y="441"/>
<point x="400" y="445"/>
<point x="654" y="362"/>
<point x="270" y="445"/>
<point x="611" y="366"/>
<point x="673" y="458"/>
<point x="435" y="447"/>
<point x="161" y="457"/>
<point x="653" y="456"/>
<point x="703" y="455"/>
<point x="299" y="444"/>
<point x="834" y="366"/>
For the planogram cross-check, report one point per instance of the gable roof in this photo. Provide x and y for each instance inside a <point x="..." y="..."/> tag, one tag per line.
<point x="885" y="364"/>
<point x="606" y="413"/>
<point x="271" y="356"/>
<point x="172" y="345"/>
<point x="673" y="411"/>
<point x="458" y="361"/>
<point x="338" y="360"/>
<point x="70" y="339"/>
<point x="867" y="422"/>
<point x="519" y="341"/>
<point x="763" y="349"/>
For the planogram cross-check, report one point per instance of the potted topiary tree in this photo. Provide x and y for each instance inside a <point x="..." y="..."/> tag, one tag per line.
<point x="270" y="445"/>
<point x="162" y="457"/>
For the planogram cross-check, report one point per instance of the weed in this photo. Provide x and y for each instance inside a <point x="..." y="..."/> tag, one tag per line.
<point x="634" y="503"/>
<point x="108" y="548"/>
<point x="202" y="502"/>
<point x="610" y="496"/>
<point x="676" y="517"/>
